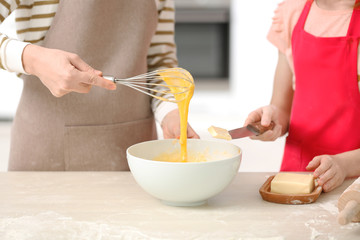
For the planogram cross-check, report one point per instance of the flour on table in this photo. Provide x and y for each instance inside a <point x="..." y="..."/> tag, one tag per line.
<point x="330" y="206"/>
<point x="51" y="225"/>
<point x="314" y="226"/>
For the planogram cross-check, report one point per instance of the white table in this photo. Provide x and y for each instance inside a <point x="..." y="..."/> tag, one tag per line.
<point x="110" y="205"/>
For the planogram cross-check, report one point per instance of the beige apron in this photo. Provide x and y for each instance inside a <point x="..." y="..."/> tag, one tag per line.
<point x="91" y="131"/>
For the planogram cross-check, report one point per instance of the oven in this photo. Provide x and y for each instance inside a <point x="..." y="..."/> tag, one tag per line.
<point x="202" y="37"/>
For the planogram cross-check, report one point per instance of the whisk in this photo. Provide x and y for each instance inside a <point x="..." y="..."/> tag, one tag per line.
<point x="168" y="84"/>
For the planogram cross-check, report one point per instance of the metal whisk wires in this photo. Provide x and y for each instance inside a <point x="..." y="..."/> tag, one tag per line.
<point x="168" y="84"/>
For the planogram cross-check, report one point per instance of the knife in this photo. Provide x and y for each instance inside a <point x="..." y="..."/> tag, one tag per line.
<point x="250" y="130"/>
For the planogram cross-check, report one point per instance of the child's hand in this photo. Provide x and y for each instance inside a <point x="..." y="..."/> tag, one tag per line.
<point x="328" y="170"/>
<point x="171" y="126"/>
<point x="266" y="115"/>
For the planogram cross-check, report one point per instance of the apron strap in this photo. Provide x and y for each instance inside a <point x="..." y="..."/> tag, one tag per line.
<point x="354" y="27"/>
<point x="357" y="5"/>
<point x="304" y="14"/>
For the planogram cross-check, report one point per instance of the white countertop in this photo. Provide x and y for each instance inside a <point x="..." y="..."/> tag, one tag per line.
<point x="110" y="205"/>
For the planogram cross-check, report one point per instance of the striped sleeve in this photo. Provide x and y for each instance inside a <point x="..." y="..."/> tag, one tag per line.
<point x="10" y="49"/>
<point x="162" y="52"/>
<point x="32" y="19"/>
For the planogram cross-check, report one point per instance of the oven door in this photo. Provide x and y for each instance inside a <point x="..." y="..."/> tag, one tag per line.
<point x="202" y="39"/>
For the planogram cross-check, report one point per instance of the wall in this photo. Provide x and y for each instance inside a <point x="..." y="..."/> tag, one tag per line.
<point x="11" y="85"/>
<point x="252" y="67"/>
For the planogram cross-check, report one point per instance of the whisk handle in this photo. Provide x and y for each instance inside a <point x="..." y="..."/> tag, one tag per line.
<point x="111" y="78"/>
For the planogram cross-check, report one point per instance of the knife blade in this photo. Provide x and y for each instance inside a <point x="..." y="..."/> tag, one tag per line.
<point x="250" y="130"/>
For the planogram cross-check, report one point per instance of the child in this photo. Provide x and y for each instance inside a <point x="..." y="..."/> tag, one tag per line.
<point x="316" y="96"/>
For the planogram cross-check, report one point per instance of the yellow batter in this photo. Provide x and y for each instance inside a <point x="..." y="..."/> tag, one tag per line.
<point x="183" y="94"/>
<point x="176" y="157"/>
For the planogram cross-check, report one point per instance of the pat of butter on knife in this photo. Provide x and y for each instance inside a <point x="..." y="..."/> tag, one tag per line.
<point x="221" y="133"/>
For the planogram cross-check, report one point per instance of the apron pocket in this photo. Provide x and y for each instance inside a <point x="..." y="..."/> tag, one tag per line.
<point x="103" y="147"/>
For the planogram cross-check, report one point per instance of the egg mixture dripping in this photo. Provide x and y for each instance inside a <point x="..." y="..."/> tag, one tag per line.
<point x="183" y="93"/>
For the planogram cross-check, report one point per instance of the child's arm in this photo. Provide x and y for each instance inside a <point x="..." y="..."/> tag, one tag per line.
<point x="280" y="107"/>
<point x="283" y="92"/>
<point x="331" y="170"/>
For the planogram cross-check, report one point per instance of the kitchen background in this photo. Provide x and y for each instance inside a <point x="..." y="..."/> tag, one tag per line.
<point x="223" y="44"/>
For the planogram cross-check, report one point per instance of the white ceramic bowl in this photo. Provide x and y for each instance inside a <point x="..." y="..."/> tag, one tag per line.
<point x="184" y="183"/>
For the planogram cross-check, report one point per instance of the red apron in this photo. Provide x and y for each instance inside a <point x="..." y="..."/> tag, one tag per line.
<point x="325" y="117"/>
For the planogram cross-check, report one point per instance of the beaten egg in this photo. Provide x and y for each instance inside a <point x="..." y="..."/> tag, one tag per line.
<point x="183" y="93"/>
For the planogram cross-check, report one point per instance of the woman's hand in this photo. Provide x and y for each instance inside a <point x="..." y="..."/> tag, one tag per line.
<point x="328" y="170"/>
<point x="62" y="72"/>
<point x="266" y="115"/>
<point x="171" y="126"/>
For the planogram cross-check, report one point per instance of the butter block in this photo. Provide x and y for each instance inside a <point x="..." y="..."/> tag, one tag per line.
<point x="292" y="183"/>
<point x="221" y="133"/>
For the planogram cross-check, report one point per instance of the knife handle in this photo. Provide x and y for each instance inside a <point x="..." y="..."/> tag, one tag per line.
<point x="258" y="129"/>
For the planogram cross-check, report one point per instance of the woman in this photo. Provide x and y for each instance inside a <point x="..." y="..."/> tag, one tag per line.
<point x="57" y="126"/>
